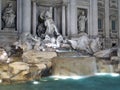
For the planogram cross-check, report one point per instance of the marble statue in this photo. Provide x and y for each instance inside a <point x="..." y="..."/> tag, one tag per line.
<point x="103" y="53"/>
<point x="59" y="40"/>
<point x="3" y="56"/>
<point x="9" y="16"/>
<point x="41" y="27"/>
<point x="53" y="42"/>
<point x="46" y="25"/>
<point x="95" y="45"/>
<point x="83" y="43"/>
<point x="81" y="22"/>
<point x="34" y="41"/>
<point x="41" y="31"/>
<point x="51" y="28"/>
<point x="25" y="42"/>
<point x="37" y="42"/>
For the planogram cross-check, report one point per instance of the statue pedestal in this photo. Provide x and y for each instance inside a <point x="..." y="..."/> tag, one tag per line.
<point x="9" y="30"/>
<point x="8" y="36"/>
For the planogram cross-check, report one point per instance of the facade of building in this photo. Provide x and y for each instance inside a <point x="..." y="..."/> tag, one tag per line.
<point x="72" y="17"/>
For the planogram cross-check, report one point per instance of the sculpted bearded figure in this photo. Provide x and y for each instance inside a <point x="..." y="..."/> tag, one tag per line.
<point x="51" y="29"/>
<point x="9" y="17"/>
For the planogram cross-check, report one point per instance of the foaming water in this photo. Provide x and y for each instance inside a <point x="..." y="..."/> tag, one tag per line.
<point x="36" y="82"/>
<point x="84" y="77"/>
<point x="110" y="74"/>
<point x="101" y="81"/>
<point x="68" y="77"/>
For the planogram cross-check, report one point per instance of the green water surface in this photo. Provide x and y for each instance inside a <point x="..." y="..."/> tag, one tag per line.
<point x="90" y="83"/>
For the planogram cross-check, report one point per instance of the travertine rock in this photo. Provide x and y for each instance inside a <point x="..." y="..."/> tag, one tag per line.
<point x="104" y="66"/>
<point x="33" y="56"/>
<point x="18" y="67"/>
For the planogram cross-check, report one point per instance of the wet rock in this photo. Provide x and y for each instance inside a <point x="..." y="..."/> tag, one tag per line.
<point x="20" y="76"/>
<point x="18" y="70"/>
<point x="37" y="56"/>
<point x="4" y="71"/>
<point x="5" y="75"/>
<point x="18" y="67"/>
<point x="41" y="66"/>
<point x="115" y="60"/>
<point x="104" y="66"/>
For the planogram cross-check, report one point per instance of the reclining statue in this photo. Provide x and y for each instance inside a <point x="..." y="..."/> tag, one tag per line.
<point x="83" y="43"/>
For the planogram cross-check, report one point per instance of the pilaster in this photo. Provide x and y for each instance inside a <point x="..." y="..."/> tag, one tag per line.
<point x="63" y="21"/>
<point x="34" y="17"/>
<point x="73" y="17"/>
<point x="26" y="16"/>
<point x="19" y="16"/>
<point x="107" y="27"/>
<point x="95" y="18"/>
<point x="119" y="19"/>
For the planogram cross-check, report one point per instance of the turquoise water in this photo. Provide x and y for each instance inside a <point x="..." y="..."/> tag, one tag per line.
<point x="90" y="83"/>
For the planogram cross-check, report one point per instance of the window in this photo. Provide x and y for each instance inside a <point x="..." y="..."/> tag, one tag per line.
<point x="99" y="24"/>
<point x="113" y="25"/>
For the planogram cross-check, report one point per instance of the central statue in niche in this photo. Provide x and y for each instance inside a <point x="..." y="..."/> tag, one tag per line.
<point x="9" y="16"/>
<point x="47" y="25"/>
<point x="51" y="29"/>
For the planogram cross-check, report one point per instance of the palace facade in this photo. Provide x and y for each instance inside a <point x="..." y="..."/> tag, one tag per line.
<point x="94" y="17"/>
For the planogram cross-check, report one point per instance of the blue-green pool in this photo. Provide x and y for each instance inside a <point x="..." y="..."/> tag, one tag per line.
<point x="106" y="82"/>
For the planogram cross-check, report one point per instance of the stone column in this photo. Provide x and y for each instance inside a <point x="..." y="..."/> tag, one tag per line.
<point x="0" y="14"/>
<point x="73" y="17"/>
<point x="119" y="19"/>
<point x="26" y="16"/>
<point x="95" y="17"/>
<point x="34" y="17"/>
<point x="68" y="19"/>
<point x="90" y="29"/>
<point x="55" y="15"/>
<point x="107" y="26"/>
<point x="107" y="31"/>
<point x="63" y="21"/>
<point x="19" y="16"/>
<point x="51" y="11"/>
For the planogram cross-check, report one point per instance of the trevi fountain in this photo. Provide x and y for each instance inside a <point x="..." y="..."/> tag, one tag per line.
<point x="43" y="46"/>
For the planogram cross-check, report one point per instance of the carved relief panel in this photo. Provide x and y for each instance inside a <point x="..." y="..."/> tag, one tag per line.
<point x="101" y="3"/>
<point x="113" y="3"/>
